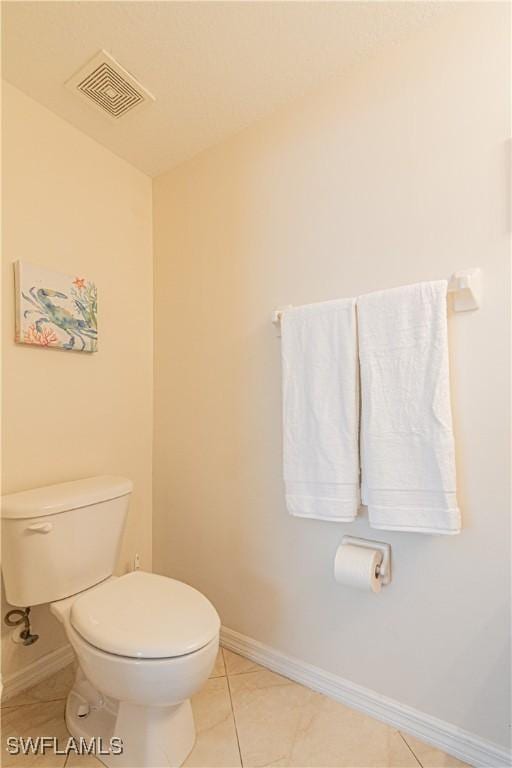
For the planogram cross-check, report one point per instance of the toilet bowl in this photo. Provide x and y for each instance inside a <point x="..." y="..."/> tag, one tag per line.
<point x="144" y="645"/>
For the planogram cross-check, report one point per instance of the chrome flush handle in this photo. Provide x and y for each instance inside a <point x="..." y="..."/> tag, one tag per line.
<point x="40" y="527"/>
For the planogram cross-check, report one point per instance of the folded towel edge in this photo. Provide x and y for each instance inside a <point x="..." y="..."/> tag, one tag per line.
<point x="447" y="521"/>
<point x="416" y="529"/>
<point x="323" y="518"/>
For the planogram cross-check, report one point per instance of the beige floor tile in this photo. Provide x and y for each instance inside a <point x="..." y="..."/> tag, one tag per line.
<point x="216" y="745"/>
<point x="430" y="757"/>
<point x="280" y="723"/>
<point x="44" y="719"/>
<point x="219" y="669"/>
<point x="55" y="687"/>
<point x="236" y="664"/>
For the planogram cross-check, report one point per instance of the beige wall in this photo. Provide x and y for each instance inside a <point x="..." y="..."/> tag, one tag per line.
<point x="71" y="205"/>
<point x="396" y="173"/>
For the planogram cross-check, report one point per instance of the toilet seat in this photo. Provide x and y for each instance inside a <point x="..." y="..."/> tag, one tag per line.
<point x="145" y="616"/>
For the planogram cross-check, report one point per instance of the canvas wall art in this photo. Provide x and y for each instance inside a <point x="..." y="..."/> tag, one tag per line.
<point x="55" y="310"/>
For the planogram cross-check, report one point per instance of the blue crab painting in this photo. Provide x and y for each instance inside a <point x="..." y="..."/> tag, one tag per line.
<point x="55" y="310"/>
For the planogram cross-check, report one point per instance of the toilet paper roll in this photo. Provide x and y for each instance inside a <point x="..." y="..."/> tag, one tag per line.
<point x="355" y="567"/>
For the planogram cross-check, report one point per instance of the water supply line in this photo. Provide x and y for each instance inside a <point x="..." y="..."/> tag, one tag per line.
<point x="22" y="617"/>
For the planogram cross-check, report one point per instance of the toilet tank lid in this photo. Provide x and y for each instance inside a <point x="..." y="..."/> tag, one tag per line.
<point x="52" y="499"/>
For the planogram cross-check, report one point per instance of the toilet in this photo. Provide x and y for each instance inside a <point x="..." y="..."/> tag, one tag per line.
<point x="144" y="643"/>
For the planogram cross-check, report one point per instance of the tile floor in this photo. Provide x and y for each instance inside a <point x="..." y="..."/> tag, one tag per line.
<point x="245" y="716"/>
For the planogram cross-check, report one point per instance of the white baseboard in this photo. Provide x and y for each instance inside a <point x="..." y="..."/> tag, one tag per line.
<point x="38" y="670"/>
<point x="449" y="738"/>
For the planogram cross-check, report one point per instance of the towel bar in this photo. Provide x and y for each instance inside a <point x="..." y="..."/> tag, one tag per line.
<point x="466" y="287"/>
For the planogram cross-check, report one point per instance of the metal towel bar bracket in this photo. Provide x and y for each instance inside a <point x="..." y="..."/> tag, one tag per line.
<point x="466" y="288"/>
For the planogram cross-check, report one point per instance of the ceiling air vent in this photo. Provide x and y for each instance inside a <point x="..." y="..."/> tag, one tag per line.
<point x="106" y="85"/>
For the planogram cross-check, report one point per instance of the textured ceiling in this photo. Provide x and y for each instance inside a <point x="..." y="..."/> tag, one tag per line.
<point x="214" y="67"/>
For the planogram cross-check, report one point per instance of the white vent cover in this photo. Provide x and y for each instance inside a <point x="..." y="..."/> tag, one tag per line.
<point x="107" y="86"/>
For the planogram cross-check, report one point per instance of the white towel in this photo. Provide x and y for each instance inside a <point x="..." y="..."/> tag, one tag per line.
<point x="320" y="410"/>
<point x="407" y="447"/>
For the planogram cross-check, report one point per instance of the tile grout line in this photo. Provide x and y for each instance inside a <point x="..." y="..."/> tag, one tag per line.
<point x="31" y="703"/>
<point x="232" y="709"/>
<point x="248" y="672"/>
<point x="410" y="748"/>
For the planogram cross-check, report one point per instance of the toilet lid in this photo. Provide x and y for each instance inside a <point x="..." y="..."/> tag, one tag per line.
<point x="142" y="615"/>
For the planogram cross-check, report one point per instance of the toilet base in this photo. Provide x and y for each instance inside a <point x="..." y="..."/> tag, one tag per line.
<point x="152" y="737"/>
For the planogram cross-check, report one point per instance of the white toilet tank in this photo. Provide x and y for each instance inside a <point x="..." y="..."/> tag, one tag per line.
<point x="61" y="539"/>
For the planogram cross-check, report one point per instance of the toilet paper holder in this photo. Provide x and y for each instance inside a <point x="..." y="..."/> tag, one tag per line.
<point x="383" y="570"/>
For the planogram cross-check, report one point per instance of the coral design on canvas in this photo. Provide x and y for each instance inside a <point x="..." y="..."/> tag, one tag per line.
<point x="45" y="338"/>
